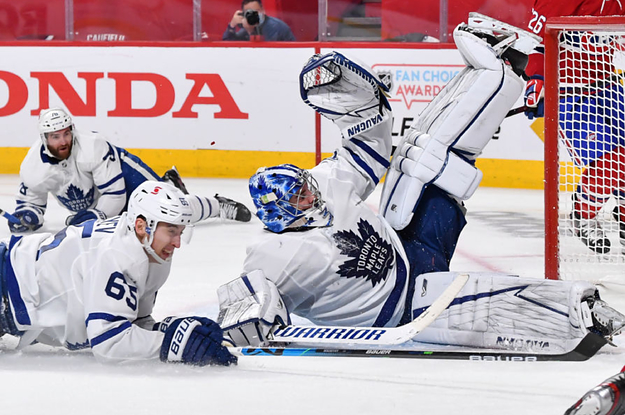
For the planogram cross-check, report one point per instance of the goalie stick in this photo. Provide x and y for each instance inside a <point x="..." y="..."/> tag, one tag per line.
<point x="9" y="217"/>
<point x="586" y="348"/>
<point x="371" y="336"/>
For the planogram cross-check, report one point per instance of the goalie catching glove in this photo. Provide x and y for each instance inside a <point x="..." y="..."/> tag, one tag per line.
<point x="250" y="307"/>
<point x="194" y="341"/>
<point x="345" y="91"/>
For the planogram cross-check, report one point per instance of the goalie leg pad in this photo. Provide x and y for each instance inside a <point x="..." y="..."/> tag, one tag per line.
<point x="463" y="116"/>
<point x="459" y="178"/>
<point x="475" y="51"/>
<point x="249" y="309"/>
<point x="507" y="312"/>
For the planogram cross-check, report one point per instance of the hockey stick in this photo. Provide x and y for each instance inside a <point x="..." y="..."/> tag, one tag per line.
<point x="517" y="110"/>
<point x="371" y="336"/>
<point x="10" y="217"/>
<point x="586" y="349"/>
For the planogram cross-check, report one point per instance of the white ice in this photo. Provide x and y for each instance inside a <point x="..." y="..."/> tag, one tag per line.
<point x="504" y="233"/>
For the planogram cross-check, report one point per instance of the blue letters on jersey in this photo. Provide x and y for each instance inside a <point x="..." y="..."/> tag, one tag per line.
<point x="76" y="199"/>
<point x="371" y="256"/>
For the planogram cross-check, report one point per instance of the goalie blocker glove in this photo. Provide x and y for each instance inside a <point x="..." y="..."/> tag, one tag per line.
<point x="194" y="341"/>
<point x="250" y="307"/>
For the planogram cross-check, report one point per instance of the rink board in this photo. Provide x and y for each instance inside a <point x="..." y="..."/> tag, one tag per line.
<point x="204" y="109"/>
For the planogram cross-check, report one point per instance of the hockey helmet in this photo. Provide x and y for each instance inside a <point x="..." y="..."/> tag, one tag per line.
<point x="51" y="120"/>
<point x="157" y="202"/>
<point x="273" y="189"/>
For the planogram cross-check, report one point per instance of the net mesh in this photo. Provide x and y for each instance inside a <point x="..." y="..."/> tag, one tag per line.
<point x="591" y="114"/>
<point x="325" y="74"/>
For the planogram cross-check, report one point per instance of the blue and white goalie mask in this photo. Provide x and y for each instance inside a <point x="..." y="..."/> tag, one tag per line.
<point x="287" y="197"/>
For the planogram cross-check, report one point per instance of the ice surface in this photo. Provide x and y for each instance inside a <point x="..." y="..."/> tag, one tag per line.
<point x="504" y="234"/>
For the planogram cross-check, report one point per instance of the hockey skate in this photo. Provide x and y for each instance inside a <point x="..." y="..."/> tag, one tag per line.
<point x="501" y="46"/>
<point x="522" y="40"/>
<point x="172" y="176"/>
<point x="230" y="209"/>
<point x="606" y="398"/>
<point x="510" y="43"/>
<point x="589" y="231"/>
<point x="607" y="322"/>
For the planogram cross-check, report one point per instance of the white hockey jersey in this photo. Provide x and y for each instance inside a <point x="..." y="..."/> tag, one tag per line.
<point x="91" y="177"/>
<point x="354" y="272"/>
<point x="83" y="287"/>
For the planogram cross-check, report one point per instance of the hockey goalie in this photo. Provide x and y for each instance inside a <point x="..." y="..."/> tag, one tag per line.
<point x="327" y="257"/>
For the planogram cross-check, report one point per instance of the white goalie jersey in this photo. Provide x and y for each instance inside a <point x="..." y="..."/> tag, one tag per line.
<point x="111" y="284"/>
<point x="354" y="272"/>
<point x="90" y="178"/>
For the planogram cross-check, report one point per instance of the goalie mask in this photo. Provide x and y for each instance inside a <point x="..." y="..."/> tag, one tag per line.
<point x="51" y="120"/>
<point x="157" y="202"/>
<point x="287" y="197"/>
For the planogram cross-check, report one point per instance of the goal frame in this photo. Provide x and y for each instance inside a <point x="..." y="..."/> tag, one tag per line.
<point x="553" y="26"/>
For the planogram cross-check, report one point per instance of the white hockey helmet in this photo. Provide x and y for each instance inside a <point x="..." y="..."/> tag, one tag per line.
<point x="157" y="202"/>
<point x="51" y="120"/>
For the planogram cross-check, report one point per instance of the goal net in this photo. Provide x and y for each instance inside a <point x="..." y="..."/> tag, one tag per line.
<point x="584" y="148"/>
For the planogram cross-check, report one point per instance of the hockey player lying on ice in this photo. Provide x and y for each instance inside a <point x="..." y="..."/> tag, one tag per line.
<point x="94" y="285"/>
<point x="329" y="258"/>
<point x="89" y="176"/>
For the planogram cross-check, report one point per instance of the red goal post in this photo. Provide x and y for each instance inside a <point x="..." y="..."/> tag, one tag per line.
<point x="566" y="257"/>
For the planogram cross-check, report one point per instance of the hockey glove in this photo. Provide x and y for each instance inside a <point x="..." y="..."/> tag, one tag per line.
<point x="344" y="91"/>
<point x="83" y="216"/>
<point x="250" y="307"/>
<point x="535" y="97"/>
<point x="30" y="221"/>
<point x="194" y="341"/>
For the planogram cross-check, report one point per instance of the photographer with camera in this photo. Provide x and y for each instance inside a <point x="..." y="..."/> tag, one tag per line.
<point x="252" y="23"/>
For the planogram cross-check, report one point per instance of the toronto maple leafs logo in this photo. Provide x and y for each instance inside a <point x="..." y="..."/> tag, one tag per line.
<point x="76" y="199"/>
<point x="371" y="256"/>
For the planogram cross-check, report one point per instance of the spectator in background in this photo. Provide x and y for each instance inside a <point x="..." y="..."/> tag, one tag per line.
<point x="252" y="23"/>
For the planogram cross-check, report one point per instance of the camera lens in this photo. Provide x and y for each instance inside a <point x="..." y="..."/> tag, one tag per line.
<point x="252" y="17"/>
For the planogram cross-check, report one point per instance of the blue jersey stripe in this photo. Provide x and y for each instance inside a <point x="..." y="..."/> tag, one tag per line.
<point x="21" y="202"/>
<point x="109" y="334"/>
<point x="119" y="192"/>
<point x="384" y="162"/>
<point x="13" y="288"/>
<point x="110" y="182"/>
<point x="202" y="205"/>
<point x="363" y="165"/>
<point x="388" y="309"/>
<point x="103" y="316"/>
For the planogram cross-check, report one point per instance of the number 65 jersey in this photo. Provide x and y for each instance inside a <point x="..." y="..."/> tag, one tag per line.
<point x="83" y="287"/>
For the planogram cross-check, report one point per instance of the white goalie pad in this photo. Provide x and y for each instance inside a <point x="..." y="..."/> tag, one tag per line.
<point x="507" y="312"/>
<point x="462" y="119"/>
<point x="525" y="41"/>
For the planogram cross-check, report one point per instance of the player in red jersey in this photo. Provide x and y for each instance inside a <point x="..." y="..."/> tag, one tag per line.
<point x="591" y="113"/>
